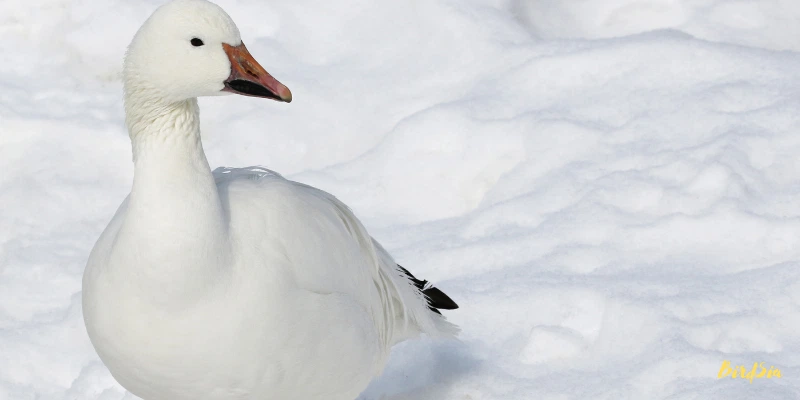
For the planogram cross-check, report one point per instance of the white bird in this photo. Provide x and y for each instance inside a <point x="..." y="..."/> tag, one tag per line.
<point x="237" y="283"/>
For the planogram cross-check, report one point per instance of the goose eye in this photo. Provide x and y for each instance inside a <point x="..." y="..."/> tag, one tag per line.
<point x="197" y="42"/>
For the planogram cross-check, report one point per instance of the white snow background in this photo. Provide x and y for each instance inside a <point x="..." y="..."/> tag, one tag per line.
<point x="610" y="189"/>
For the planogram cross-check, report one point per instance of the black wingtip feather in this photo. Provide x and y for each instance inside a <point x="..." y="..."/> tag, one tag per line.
<point x="437" y="300"/>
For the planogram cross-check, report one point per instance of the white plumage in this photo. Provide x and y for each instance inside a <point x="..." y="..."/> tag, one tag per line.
<point x="236" y="284"/>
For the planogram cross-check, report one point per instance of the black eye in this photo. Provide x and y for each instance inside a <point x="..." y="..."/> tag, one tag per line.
<point x="197" y="42"/>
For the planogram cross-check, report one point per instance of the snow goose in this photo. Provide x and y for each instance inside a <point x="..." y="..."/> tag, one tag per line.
<point x="237" y="283"/>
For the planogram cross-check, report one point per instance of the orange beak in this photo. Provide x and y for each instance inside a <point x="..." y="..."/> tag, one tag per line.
<point x="249" y="78"/>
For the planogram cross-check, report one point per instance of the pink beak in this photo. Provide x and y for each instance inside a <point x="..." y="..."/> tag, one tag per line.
<point x="249" y="78"/>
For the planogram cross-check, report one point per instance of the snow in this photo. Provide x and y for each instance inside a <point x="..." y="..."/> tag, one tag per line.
<point x="607" y="188"/>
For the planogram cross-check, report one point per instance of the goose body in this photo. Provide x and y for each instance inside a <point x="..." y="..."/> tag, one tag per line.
<point x="236" y="283"/>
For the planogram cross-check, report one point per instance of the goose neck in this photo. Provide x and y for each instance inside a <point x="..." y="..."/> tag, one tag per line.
<point x="174" y="209"/>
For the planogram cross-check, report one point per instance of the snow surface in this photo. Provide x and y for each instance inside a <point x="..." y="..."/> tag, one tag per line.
<point x="609" y="189"/>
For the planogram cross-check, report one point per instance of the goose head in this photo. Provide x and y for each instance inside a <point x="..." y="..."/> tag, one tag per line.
<point x="192" y="48"/>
